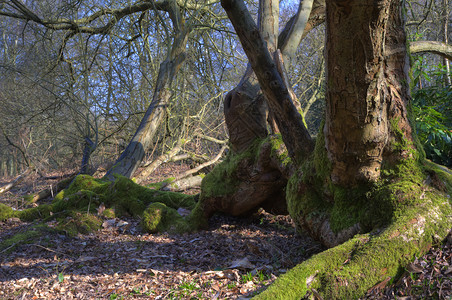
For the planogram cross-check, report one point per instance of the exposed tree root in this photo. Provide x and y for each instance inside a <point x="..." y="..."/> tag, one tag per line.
<point x="349" y="270"/>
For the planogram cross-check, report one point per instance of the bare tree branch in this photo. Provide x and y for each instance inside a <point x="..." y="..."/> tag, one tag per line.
<point x="290" y="46"/>
<point x="21" y="11"/>
<point x="269" y="22"/>
<point x="15" y="182"/>
<point x="439" y="48"/>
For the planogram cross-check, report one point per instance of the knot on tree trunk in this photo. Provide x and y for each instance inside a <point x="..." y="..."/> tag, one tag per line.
<point x="246" y="119"/>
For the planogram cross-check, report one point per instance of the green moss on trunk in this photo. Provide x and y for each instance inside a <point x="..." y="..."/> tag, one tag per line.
<point x="223" y="179"/>
<point x="399" y="217"/>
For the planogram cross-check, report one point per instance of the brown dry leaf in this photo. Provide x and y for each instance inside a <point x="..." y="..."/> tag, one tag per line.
<point x="232" y="274"/>
<point x="379" y="286"/>
<point x="448" y="271"/>
<point x="414" y="268"/>
<point x="243" y="263"/>
<point x="137" y="265"/>
<point x="85" y="258"/>
<point x="215" y="287"/>
<point x="100" y="209"/>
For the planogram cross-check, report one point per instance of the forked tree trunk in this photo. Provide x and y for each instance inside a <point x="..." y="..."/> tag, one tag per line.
<point x="257" y="171"/>
<point x="133" y="155"/>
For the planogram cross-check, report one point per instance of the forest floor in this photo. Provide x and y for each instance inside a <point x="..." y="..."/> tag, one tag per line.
<point x="234" y="259"/>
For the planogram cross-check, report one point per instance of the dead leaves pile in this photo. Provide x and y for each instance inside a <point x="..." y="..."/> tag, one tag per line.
<point x="233" y="259"/>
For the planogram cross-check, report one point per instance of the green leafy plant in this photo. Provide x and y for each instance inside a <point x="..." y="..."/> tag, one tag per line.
<point x="115" y="296"/>
<point x="261" y="276"/>
<point x="232" y="285"/>
<point x="433" y="123"/>
<point x="247" y="277"/>
<point x="432" y="111"/>
<point x="190" y="286"/>
<point x="60" y="277"/>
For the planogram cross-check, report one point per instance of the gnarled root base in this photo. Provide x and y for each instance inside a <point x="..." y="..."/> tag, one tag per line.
<point x="349" y="270"/>
<point x="244" y="182"/>
<point x="401" y="217"/>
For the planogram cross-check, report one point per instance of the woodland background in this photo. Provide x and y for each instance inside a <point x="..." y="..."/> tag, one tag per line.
<point x="61" y="93"/>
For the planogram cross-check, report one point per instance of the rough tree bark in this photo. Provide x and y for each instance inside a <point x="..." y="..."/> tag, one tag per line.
<point x="367" y="89"/>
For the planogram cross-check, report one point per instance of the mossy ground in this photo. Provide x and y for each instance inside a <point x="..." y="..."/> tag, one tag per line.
<point x="33" y="233"/>
<point x="160" y="218"/>
<point x="6" y="212"/>
<point x="76" y="208"/>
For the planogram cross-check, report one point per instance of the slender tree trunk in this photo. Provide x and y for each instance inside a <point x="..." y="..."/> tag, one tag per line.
<point x="133" y="155"/>
<point x="446" y="40"/>
<point x="87" y="150"/>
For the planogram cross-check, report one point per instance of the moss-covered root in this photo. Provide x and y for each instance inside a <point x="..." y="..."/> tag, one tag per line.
<point x="124" y="195"/>
<point x="158" y="217"/>
<point x="349" y="270"/>
<point x="6" y="212"/>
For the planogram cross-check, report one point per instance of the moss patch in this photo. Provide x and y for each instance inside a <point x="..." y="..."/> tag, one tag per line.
<point x="278" y="149"/>
<point x="197" y="219"/>
<point x="76" y="207"/>
<point x="223" y="180"/>
<point x="161" y="184"/>
<point x="39" y="212"/>
<point x="124" y="195"/>
<point x="78" y="222"/>
<point x="30" y="236"/>
<point x="130" y="198"/>
<point x="6" y="212"/>
<point x="158" y="217"/>
<point x="349" y="270"/>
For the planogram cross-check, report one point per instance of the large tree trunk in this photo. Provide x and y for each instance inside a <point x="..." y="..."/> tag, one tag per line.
<point x="367" y="89"/>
